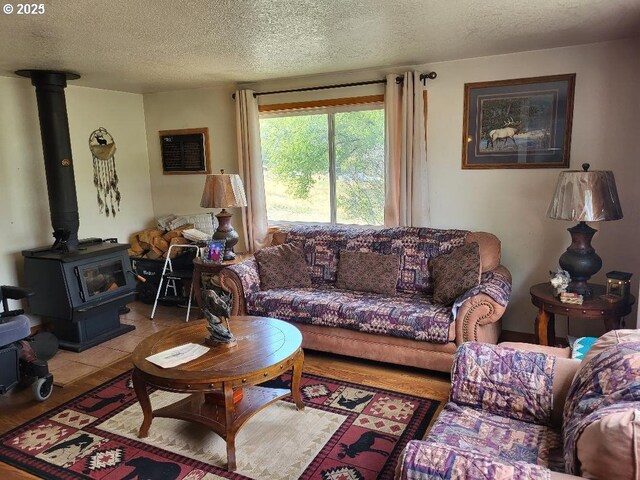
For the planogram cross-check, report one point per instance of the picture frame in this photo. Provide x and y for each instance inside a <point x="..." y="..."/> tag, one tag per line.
<point x="518" y="123"/>
<point x="185" y="151"/>
<point x="214" y="251"/>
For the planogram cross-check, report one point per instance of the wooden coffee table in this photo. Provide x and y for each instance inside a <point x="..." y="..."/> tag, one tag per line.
<point x="223" y="382"/>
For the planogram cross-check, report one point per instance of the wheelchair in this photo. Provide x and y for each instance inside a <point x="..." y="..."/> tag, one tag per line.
<point x="19" y="362"/>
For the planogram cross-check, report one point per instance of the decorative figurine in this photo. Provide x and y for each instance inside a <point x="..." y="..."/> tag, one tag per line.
<point x="560" y="280"/>
<point x="216" y="309"/>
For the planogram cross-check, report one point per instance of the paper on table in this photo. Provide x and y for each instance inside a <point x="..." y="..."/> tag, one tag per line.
<point x="178" y="355"/>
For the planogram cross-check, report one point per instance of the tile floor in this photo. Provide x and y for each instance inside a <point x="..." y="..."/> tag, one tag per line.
<point x="68" y="367"/>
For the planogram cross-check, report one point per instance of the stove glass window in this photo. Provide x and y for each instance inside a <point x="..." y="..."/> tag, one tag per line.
<point x="104" y="277"/>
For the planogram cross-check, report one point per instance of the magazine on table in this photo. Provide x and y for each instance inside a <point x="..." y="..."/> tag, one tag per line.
<point x="178" y="355"/>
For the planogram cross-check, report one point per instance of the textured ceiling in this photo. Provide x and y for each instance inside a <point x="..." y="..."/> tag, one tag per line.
<point x="147" y="46"/>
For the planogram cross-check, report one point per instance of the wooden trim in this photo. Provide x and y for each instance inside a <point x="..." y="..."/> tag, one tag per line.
<point x="190" y="131"/>
<point x="331" y="102"/>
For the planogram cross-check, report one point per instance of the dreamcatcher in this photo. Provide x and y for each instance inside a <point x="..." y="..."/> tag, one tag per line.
<point x="105" y="178"/>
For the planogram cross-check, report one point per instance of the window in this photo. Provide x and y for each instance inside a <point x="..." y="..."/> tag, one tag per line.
<point x="325" y="163"/>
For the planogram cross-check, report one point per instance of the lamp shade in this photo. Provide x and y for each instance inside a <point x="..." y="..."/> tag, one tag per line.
<point x="223" y="190"/>
<point x="585" y="196"/>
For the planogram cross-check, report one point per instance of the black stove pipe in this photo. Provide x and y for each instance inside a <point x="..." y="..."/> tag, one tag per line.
<point x="56" y="147"/>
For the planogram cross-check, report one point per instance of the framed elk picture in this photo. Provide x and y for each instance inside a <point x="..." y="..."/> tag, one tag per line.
<point x="521" y="123"/>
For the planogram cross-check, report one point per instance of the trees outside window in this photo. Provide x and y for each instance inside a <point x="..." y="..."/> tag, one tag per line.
<point x="325" y="164"/>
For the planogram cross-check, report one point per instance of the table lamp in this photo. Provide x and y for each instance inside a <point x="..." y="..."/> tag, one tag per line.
<point x="584" y="196"/>
<point x="224" y="191"/>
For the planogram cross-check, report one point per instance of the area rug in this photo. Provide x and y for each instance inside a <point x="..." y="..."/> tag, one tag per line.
<point x="346" y="432"/>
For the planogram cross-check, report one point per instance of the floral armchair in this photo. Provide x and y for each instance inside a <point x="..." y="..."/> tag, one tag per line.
<point x="516" y="414"/>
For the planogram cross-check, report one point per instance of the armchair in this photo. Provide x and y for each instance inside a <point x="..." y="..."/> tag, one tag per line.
<point x="516" y="414"/>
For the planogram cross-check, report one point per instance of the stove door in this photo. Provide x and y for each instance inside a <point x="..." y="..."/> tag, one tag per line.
<point x="102" y="278"/>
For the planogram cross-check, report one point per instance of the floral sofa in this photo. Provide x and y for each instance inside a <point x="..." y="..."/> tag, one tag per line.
<point x="406" y="328"/>
<point x="528" y="413"/>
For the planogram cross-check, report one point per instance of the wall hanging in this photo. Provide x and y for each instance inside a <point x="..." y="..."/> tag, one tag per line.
<point x="185" y="151"/>
<point x="520" y="123"/>
<point x="105" y="177"/>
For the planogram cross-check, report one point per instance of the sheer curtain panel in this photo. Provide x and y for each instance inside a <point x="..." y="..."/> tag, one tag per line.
<point x="406" y="186"/>
<point x="254" y="217"/>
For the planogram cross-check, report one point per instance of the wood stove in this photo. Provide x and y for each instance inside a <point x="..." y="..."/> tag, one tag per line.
<point x="81" y="285"/>
<point x="81" y="291"/>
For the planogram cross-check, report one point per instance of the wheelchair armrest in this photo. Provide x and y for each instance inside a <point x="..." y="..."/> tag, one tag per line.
<point x="15" y="293"/>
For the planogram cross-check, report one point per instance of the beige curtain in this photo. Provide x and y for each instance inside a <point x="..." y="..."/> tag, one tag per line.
<point x="406" y="186"/>
<point x="254" y="216"/>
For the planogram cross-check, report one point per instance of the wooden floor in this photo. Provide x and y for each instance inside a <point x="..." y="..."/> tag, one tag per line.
<point x="18" y="406"/>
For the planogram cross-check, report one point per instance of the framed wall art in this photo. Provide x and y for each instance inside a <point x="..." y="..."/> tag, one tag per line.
<point x="520" y="123"/>
<point x="185" y="151"/>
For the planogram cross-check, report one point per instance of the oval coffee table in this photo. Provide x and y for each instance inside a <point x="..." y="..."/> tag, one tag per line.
<point x="223" y="382"/>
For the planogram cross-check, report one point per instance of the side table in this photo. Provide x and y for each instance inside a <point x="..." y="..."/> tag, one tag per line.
<point x="200" y="267"/>
<point x="543" y="297"/>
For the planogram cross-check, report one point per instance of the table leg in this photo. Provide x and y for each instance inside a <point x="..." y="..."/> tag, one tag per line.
<point x="545" y="328"/>
<point x="230" y="430"/>
<point x="143" y="397"/>
<point x="612" y="323"/>
<point x="296" y="375"/>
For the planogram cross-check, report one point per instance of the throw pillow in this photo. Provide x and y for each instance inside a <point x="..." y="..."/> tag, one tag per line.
<point x="368" y="272"/>
<point x="455" y="272"/>
<point x="581" y="346"/>
<point x="282" y="266"/>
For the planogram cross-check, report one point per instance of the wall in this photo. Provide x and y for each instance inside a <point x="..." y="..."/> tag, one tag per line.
<point x="512" y="203"/>
<point x="25" y="221"/>
<point x="208" y="107"/>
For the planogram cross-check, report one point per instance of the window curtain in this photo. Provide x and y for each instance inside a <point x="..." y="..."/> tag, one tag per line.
<point x="254" y="216"/>
<point x="406" y="186"/>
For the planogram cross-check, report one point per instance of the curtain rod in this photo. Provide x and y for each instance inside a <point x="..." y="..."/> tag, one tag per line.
<point x="399" y="79"/>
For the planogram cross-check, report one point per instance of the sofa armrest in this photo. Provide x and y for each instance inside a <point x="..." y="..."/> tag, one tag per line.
<point x="240" y="280"/>
<point x="478" y="311"/>
<point x="563" y="373"/>
<point x="504" y="381"/>
<point x="423" y="460"/>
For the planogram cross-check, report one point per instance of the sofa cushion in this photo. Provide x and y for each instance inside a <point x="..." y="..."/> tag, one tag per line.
<point x="437" y="461"/>
<point x="404" y="315"/>
<point x="607" y="383"/>
<point x="322" y="246"/>
<point x="454" y="273"/>
<point x="368" y="272"/>
<point x="282" y="266"/>
<point x="505" y="439"/>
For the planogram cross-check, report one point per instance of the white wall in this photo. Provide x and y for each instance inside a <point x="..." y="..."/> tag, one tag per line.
<point x="25" y="221"/>
<point x="208" y="107"/>
<point x="512" y="203"/>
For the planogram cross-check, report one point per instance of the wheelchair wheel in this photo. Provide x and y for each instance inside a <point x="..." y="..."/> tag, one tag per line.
<point x="42" y="388"/>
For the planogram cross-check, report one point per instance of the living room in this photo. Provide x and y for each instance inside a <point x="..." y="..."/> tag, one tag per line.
<point x="598" y="42"/>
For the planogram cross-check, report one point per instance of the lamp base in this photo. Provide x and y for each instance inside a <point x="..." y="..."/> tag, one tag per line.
<point x="226" y="232"/>
<point x="581" y="259"/>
